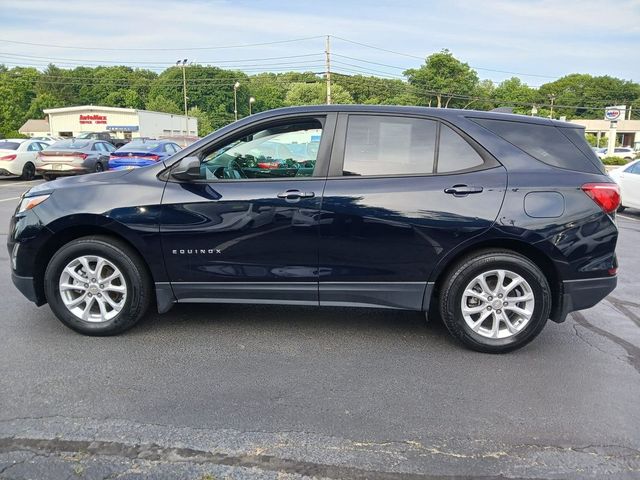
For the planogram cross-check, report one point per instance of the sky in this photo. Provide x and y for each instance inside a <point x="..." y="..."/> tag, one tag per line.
<point x="536" y="40"/>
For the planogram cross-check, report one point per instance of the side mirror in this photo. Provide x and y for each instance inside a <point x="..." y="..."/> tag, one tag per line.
<point x="187" y="169"/>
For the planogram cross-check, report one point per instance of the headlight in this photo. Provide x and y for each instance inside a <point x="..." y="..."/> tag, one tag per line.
<point x="28" y="203"/>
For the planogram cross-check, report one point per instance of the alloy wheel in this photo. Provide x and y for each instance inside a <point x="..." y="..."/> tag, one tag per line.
<point x="92" y="288"/>
<point x="497" y="304"/>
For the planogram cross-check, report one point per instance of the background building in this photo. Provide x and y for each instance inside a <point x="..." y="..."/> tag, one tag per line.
<point x="35" y="128"/>
<point x="121" y="122"/>
<point x="627" y="131"/>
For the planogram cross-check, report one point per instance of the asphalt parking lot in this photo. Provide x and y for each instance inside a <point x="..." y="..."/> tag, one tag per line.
<point x="222" y="391"/>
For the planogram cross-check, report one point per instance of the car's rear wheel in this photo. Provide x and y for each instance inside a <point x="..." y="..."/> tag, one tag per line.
<point x="99" y="167"/>
<point x="28" y="171"/>
<point x="97" y="286"/>
<point x="495" y="301"/>
<point x="621" y="208"/>
<point x="48" y="178"/>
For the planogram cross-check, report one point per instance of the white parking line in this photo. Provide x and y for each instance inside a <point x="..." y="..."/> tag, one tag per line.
<point x="17" y="184"/>
<point x="7" y="199"/>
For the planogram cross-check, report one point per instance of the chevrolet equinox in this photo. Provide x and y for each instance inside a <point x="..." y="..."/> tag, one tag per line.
<point x="494" y="222"/>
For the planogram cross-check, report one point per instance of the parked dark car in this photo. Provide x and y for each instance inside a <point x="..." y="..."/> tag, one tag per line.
<point x="104" y="136"/>
<point x="73" y="157"/>
<point x="140" y="153"/>
<point x="495" y="222"/>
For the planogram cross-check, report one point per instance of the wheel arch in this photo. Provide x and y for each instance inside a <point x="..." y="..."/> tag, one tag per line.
<point x="68" y="234"/>
<point x="529" y="251"/>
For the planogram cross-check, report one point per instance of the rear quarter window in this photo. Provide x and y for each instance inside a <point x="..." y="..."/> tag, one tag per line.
<point x="546" y="143"/>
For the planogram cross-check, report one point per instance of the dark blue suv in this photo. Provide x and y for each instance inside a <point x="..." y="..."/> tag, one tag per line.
<point x="495" y="222"/>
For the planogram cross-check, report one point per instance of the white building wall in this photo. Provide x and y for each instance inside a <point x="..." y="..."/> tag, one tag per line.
<point x="156" y="124"/>
<point x="71" y="121"/>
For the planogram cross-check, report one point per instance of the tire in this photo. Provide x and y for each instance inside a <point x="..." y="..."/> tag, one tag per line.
<point x="99" y="167"/>
<point x="131" y="291"/>
<point x="485" y="338"/>
<point x="621" y="208"/>
<point x="48" y="178"/>
<point x="28" y="171"/>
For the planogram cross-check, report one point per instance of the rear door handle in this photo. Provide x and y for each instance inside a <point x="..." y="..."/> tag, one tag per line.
<point x="295" y="195"/>
<point x="462" y="190"/>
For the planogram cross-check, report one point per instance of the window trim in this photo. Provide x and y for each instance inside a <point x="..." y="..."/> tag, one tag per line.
<point x="327" y="120"/>
<point x="339" y="148"/>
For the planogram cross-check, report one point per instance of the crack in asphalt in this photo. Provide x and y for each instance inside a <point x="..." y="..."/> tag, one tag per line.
<point x="633" y="352"/>
<point x="156" y="453"/>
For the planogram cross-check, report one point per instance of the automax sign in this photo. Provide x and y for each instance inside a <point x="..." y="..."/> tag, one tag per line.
<point x="91" y="119"/>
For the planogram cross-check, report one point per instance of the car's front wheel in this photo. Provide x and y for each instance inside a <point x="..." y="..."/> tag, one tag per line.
<point x="97" y="286"/>
<point x="495" y="301"/>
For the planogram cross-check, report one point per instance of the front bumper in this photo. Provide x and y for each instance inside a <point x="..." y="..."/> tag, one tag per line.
<point x="27" y="287"/>
<point x="582" y="294"/>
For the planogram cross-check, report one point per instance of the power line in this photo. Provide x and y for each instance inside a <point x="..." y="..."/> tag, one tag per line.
<point x="218" y="47"/>
<point x="423" y="58"/>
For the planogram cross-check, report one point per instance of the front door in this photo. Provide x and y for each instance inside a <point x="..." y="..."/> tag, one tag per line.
<point x="245" y="231"/>
<point x="401" y="193"/>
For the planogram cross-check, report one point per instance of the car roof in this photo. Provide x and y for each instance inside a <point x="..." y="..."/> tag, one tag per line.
<point x="15" y="140"/>
<point x="444" y="113"/>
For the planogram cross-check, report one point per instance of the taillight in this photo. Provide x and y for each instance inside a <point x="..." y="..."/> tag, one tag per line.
<point x="8" y="158"/>
<point x="83" y="156"/>
<point x="151" y="157"/>
<point x="606" y="195"/>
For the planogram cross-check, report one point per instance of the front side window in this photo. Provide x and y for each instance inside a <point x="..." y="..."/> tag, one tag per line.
<point x="280" y="151"/>
<point x="387" y="145"/>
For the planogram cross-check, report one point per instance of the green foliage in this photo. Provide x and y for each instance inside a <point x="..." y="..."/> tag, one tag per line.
<point x="614" y="161"/>
<point x="315" y="94"/>
<point x="442" y="81"/>
<point x="12" y="134"/>
<point x="444" y="77"/>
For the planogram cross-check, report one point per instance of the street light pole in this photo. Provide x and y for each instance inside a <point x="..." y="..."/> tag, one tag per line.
<point x="183" y="63"/>
<point x="235" y="99"/>
<point x="251" y="101"/>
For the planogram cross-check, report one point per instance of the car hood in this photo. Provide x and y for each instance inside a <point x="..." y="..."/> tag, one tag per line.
<point x="80" y="180"/>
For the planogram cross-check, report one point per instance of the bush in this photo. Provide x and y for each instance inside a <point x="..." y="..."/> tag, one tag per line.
<point x="614" y="161"/>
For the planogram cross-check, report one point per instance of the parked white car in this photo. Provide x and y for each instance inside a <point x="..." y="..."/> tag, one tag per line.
<point x="50" y="139"/>
<point x="19" y="157"/>
<point x="628" y="179"/>
<point x="627" y="153"/>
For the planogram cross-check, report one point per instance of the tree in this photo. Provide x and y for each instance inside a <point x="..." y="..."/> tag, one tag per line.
<point x="315" y="94"/>
<point x="514" y="93"/>
<point x="162" y="104"/>
<point x="444" y="77"/>
<point x="204" y="122"/>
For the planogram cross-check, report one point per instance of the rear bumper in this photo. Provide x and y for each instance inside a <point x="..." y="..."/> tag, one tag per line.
<point x="583" y="294"/>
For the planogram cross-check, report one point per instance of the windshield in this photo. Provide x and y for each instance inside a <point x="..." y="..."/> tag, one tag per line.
<point x="69" y="144"/>
<point x="9" y="145"/>
<point x="86" y="135"/>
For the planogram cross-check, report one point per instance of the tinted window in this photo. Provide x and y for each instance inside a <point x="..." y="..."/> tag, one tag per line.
<point x="109" y="148"/>
<point x="543" y="142"/>
<point x="576" y="136"/>
<point x="9" y="145"/>
<point x="455" y="153"/>
<point x="34" y="147"/>
<point x="381" y="145"/>
<point x="275" y="152"/>
<point x="635" y="168"/>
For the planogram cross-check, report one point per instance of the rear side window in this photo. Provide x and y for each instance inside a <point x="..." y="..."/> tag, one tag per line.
<point x="387" y="145"/>
<point x="543" y="142"/>
<point x="455" y="153"/>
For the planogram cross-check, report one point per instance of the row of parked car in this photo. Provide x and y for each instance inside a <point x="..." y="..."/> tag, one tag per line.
<point x="51" y="158"/>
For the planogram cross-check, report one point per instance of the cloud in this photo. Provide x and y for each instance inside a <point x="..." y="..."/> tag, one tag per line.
<point x="543" y="37"/>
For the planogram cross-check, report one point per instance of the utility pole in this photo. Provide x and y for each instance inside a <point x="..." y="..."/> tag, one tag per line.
<point x="552" y="98"/>
<point x="236" y="86"/>
<point x="327" y="52"/>
<point x="183" y="63"/>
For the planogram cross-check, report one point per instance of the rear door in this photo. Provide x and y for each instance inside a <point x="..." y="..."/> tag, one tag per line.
<point x="630" y="186"/>
<point x="402" y="192"/>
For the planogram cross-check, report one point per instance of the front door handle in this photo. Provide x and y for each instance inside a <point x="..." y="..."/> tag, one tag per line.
<point x="295" y="195"/>
<point x="462" y="190"/>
